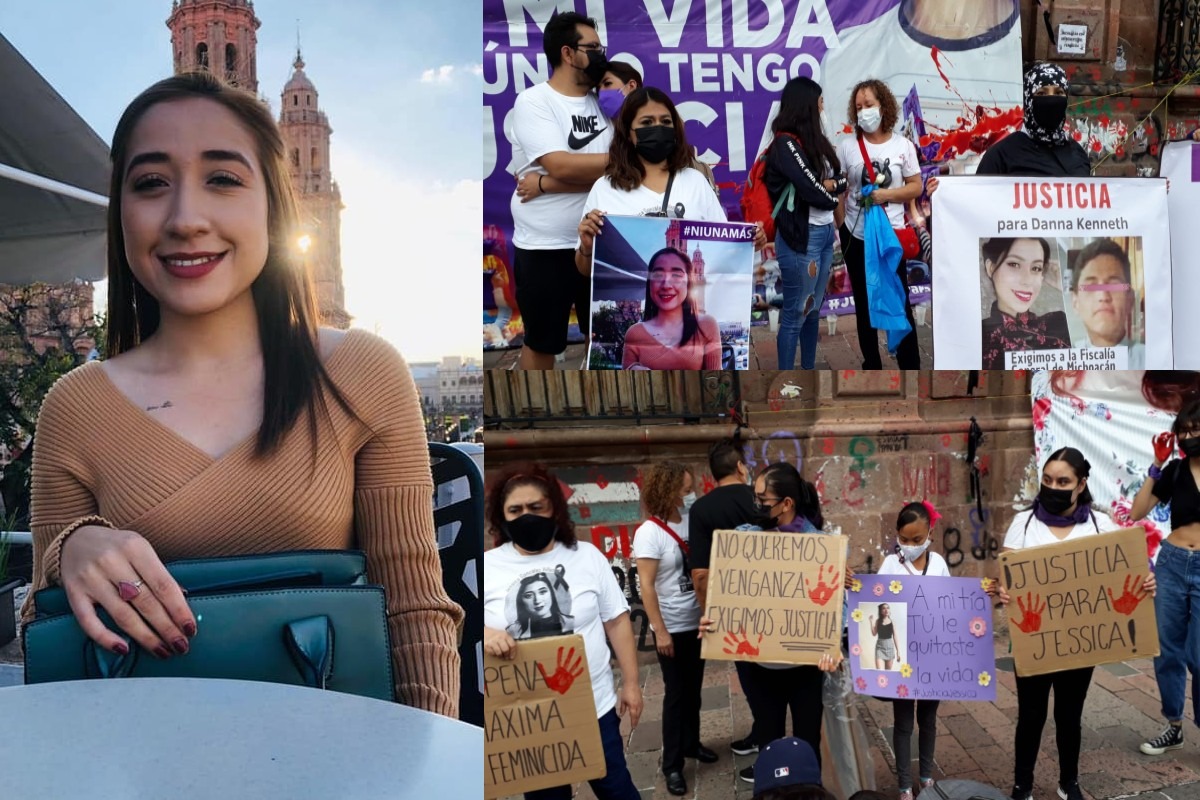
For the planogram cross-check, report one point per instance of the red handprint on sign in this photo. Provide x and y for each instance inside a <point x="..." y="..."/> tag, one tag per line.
<point x="1129" y="599"/>
<point x="1031" y="621"/>
<point x="1164" y="446"/>
<point x="742" y="646"/>
<point x="825" y="588"/>
<point x="564" y="674"/>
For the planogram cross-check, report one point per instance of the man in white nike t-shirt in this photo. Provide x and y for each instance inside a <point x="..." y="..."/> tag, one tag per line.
<point x="558" y="130"/>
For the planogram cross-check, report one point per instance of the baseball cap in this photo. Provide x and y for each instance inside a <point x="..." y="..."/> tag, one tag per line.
<point x="786" y="762"/>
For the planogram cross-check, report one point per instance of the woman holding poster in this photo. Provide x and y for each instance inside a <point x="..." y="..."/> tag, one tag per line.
<point x="874" y="153"/>
<point x="1062" y="510"/>
<point x="1178" y="561"/>
<point x="671" y="334"/>
<point x="801" y="170"/>
<point x="536" y="547"/>
<point x="1015" y="270"/>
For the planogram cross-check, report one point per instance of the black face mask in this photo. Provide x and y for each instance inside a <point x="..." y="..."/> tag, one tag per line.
<point x="763" y="519"/>
<point x="1056" y="501"/>
<point x="596" y="67"/>
<point x="655" y="143"/>
<point x="1049" y="111"/>
<point x="1190" y="446"/>
<point x="531" y="532"/>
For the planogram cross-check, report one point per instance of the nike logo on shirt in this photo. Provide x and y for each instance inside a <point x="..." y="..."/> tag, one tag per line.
<point x="575" y="142"/>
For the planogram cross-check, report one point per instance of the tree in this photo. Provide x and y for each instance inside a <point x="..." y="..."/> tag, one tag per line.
<point x="45" y="332"/>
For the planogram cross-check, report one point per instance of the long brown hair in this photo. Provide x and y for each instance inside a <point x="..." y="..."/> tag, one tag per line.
<point x="625" y="170"/>
<point x="283" y="291"/>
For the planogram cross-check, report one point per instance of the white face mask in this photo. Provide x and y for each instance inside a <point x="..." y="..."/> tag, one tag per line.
<point x="688" y="500"/>
<point x="912" y="552"/>
<point x="869" y="119"/>
<point x="826" y="128"/>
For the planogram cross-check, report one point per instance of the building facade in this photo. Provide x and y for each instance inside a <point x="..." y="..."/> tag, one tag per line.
<point x="220" y="36"/>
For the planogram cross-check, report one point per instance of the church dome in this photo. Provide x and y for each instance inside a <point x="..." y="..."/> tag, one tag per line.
<point x="299" y="81"/>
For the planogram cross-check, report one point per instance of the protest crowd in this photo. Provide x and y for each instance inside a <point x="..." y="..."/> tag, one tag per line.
<point x="848" y="165"/>
<point x="750" y="572"/>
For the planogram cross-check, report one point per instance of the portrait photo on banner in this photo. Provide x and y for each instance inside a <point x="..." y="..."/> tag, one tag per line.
<point x="671" y="294"/>
<point x="882" y="635"/>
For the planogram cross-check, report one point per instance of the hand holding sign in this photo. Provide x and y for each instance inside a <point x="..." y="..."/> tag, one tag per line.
<point x="1031" y="621"/>
<point x="743" y="645"/>
<point x="1127" y="603"/>
<point x="565" y="672"/>
<point x="1164" y="447"/>
<point x="826" y="586"/>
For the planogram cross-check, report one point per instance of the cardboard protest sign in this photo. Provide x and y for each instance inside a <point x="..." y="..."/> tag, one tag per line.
<point x="775" y="596"/>
<point x="1080" y="603"/>
<point x="653" y="277"/>
<point x="1070" y="273"/>
<point x="1181" y="166"/>
<point x="540" y="727"/>
<point x="919" y="637"/>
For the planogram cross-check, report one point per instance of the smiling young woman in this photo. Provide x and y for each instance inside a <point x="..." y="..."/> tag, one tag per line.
<point x="185" y="443"/>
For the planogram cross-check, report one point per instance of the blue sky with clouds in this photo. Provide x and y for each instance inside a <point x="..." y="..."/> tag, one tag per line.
<point x="401" y="85"/>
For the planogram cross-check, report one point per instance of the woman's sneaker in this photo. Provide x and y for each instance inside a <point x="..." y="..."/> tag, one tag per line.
<point x="744" y="747"/>
<point x="1021" y="793"/>
<point x="747" y="774"/>
<point x="1071" y="792"/>
<point x="906" y="794"/>
<point x="1169" y="739"/>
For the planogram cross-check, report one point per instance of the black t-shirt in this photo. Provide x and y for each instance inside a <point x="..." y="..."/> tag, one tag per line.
<point x="1178" y="486"/>
<point x="1020" y="154"/>
<point x="885" y="631"/>
<point x="722" y="509"/>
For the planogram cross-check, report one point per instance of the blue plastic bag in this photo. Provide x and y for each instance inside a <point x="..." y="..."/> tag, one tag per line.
<point x="886" y="297"/>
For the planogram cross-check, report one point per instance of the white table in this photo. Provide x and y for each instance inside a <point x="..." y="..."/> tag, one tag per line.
<point x="192" y="739"/>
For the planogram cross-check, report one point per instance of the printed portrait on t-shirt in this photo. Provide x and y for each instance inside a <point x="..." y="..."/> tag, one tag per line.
<point x="539" y="604"/>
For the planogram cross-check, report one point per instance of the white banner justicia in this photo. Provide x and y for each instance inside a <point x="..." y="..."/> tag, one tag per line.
<point x="1181" y="167"/>
<point x="1064" y="273"/>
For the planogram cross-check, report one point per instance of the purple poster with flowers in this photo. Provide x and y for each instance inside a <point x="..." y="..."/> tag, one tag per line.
<point x="921" y="638"/>
<point x="955" y="68"/>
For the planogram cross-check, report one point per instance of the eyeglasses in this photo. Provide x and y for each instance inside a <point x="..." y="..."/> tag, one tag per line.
<point x="768" y="501"/>
<point x="591" y="48"/>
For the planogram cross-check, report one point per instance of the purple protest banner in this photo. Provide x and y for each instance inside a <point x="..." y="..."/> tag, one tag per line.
<point x="915" y="637"/>
<point x="725" y="64"/>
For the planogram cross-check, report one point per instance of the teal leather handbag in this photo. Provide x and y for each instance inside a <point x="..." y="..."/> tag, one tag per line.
<point x="306" y="618"/>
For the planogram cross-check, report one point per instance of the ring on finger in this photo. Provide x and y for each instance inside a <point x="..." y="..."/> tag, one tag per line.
<point x="128" y="590"/>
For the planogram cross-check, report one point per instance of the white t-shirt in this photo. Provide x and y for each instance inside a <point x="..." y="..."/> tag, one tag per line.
<point x="821" y="216"/>
<point x="691" y="191"/>
<point x="676" y="595"/>
<point x="897" y="155"/>
<point x="936" y="569"/>
<point x="545" y="121"/>
<point x="565" y="590"/>
<point x="1038" y="533"/>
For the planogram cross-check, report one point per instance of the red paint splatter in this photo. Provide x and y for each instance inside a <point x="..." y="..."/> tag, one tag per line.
<point x="1096" y="146"/>
<point x="511" y="441"/>
<point x="601" y="482"/>
<point x="709" y="483"/>
<point x="979" y="127"/>
<point x="827" y="447"/>
<point x="585" y="512"/>
<point x="1103" y="120"/>
<point x="847" y="374"/>
<point x="1078" y="135"/>
<point x="566" y="490"/>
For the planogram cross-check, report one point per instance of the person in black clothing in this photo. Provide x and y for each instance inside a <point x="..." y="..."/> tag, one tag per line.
<point x="801" y="182"/>
<point x="727" y="506"/>
<point x="1043" y="147"/>
<point x="1016" y="268"/>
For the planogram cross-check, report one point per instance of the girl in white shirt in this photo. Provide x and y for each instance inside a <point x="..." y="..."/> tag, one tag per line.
<point x="1062" y="510"/>
<point x="912" y="557"/>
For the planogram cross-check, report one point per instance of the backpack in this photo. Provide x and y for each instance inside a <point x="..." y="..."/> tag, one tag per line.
<point x="756" y="202"/>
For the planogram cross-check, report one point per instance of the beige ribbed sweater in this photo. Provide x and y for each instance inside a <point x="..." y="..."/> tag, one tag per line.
<point x="98" y="453"/>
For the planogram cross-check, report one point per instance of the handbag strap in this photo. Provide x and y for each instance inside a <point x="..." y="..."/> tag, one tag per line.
<point x="682" y="544"/>
<point x="667" y="194"/>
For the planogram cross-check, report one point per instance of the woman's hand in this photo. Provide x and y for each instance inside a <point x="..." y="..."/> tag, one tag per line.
<point x="630" y="700"/>
<point x="707" y="625"/>
<point x="931" y="186"/>
<point x="1002" y="594"/>
<point x="589" y="229"/>
<point x="664" y="645"/>
<point x="119" y="571"/>
<point x="528" y="186"/>
<point x="870" y="617"/>
<point x="1164" y="448"/>
<point x="499" y="644"/>
<point x="1150" y="584"/>
<point x="760" y="237"/>
<point x="848" y="581"/>
<point x="830" y="662"/>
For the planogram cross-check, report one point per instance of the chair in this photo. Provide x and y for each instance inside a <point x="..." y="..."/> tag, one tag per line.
<point x="458" y="517"/>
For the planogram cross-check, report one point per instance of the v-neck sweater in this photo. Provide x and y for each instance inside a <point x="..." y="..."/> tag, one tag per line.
<point x="96" y="452"/>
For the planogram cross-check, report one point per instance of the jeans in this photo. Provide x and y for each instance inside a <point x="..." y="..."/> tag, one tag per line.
<point x="926" y="713"/>
<point x="1177" y="607"/>
<point x="771" y="692"/>
<point x="805" y="276"/>
<point x="908" y="355"/>
<point x="1033" y="699"/>
<point x="617" y="784"/>
<point x="683" y="680"/>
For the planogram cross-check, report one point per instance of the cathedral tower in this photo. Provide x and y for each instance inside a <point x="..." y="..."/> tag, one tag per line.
<point x="218" y="36"/>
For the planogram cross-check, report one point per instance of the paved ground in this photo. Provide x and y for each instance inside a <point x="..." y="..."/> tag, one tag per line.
<point x="975" y="740"/>
<point x="834" y="351"/>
